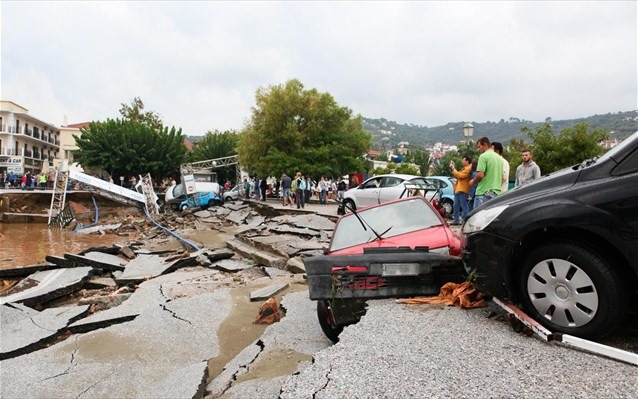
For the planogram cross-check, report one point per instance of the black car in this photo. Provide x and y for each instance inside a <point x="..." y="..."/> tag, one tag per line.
<point x="564" y="246"/>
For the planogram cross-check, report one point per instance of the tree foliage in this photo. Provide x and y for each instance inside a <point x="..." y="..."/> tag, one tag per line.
<point x="292" y="129"/>
<point x="129" y="148"/>
<point x="135" y="112"/>
<point x="572" y="146"/>
<point x="420" y="157"/>
<point x="215" y="145"/>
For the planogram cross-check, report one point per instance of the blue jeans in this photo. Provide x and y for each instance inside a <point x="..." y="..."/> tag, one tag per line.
<point x="480" y="199"/>
<point x="460" y="203"/>
<point x="322" y="197"/>
<point x="299" y="194"/>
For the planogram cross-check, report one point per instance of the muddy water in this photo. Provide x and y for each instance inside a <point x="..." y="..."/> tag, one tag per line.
<point x="26" y="244"/>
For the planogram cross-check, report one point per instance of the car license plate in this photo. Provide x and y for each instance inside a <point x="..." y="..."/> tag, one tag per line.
<point x="400" y="269"/>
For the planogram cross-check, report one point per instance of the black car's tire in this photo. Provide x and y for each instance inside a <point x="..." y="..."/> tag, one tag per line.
<point x="325" y="321"/>
<point x="348" y="205"/>
<point x="571" y="289"/>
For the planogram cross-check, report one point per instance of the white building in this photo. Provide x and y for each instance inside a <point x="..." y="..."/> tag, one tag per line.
<point x="27" y="144"/>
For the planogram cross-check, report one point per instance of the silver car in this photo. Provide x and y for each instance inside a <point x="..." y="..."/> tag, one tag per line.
<point x="380" y="189"/>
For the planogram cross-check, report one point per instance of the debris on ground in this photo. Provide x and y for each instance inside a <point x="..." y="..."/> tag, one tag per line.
<point x="269" y="312"/>
<point x="464" y="295"/>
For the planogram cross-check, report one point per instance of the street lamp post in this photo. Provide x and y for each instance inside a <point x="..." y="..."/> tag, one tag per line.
<point x="468" y="130"/>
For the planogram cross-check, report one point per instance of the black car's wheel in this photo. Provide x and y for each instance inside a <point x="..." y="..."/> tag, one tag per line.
<point x="326" y="322"/>
<point x="571" y="289"/>
<point x="348" y="205"/>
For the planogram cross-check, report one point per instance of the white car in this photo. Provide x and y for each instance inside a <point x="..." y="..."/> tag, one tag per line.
<point x="232" y="194"/>
<point x="380" y="189"/>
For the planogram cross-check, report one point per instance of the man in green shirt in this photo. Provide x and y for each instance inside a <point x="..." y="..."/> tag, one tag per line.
<point x="489" y="173"/>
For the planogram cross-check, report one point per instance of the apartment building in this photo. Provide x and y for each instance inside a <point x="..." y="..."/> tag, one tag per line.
<point x="27" y="144"/>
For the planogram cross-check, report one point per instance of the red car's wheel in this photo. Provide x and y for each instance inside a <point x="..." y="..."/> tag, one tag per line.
<point x="326" y="322"/>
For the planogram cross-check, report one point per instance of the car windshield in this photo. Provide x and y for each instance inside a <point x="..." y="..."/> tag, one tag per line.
<point x="394" y="218"/>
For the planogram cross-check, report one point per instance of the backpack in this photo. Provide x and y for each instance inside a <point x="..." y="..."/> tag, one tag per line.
<point x="301" y="184"/>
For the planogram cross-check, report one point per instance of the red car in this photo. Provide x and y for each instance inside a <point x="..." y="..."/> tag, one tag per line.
<point x="399" y="248"/>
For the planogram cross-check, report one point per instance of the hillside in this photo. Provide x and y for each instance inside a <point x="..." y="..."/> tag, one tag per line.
<point x="388" y="134"/>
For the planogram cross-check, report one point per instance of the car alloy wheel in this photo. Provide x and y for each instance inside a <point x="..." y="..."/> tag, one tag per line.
<point x="571" y="289"/>
<point x="348" y="205"/>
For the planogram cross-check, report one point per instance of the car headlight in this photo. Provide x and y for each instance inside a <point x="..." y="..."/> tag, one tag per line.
<point x="482" y="219"/>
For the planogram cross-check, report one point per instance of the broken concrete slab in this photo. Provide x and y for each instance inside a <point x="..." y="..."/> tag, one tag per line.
<point x="35" y="330"/>
<point x="202" y="214"/>
<point x="302" y="231"/>
<point x="295" y="265"/>
<point x="98" y="229"/>
<point x="231" y="265"/>
<point x="62" y="262"/>
<point x="99" y="260"/>
<point x="266" y="292"/>
<point x="260" y="257"/>
<point x="148" y="266"/>
<point x="101" y="282"/>
<point x="309" y="220"/>
<point x="42" y="287"/>
<point x="219" y="254"/>
<point x="253" y="223"/>
<point x="104" y="302"/>
<point x="273" y="272"/>
<point x="169" y="343"/>
<point x="234" y="206"/>
<point x="24" y="271"/>
<point x="238" y="217"/>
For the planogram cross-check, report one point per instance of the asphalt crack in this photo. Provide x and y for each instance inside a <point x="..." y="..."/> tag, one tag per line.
<point x="72" y="363"/>
<point x="163" y="306"/>
<point x="328" y="379"/>
<point x="245" y="368"/>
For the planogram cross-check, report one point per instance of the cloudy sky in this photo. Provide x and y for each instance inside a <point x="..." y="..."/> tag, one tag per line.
<point x="198" y="64"/>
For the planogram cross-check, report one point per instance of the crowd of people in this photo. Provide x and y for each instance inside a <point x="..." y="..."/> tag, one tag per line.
<point x="28" y="181"/>
<point x="294" y="191"/>
<point x="481" y="180"/>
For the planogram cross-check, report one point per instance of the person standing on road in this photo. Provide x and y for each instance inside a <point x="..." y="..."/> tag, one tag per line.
<point x="246" y="187"/>
<point x="489" y="173"/>
<point x="528" y="170"/>
<point x="323" y="190"/>
<point x="461" y="189"/>
<point x="341" y="189"/>
<point x="263" y="187"/>
<point x="498" y="148"/>
<point x="286" y="185"/>
<point x="300" y="184"/>
<point x="472" y="194"/>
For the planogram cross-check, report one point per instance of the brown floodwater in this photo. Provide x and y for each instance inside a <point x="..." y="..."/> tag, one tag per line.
<point x="27" y="244"/>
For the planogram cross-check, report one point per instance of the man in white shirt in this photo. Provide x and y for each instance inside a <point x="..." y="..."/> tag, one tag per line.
<point x="498" y="148"/>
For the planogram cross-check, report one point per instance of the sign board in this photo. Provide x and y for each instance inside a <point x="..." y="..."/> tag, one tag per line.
<point x="13" y="164"/>
<point x="189" y="184"/>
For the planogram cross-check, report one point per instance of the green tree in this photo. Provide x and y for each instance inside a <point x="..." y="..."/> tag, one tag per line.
<point x="292" y="129"/>
<point x="572" y="146"/>
<point x="420" y="157"/>
<point x="442" y="165"/>
<point x="215" y="145"/>
<point x="129" y="148"/>
<point x="135" y="112"/>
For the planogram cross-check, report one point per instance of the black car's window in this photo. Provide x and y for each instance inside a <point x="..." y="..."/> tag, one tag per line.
<point x="391" y="181"/>
<point x="628" y="165"/>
